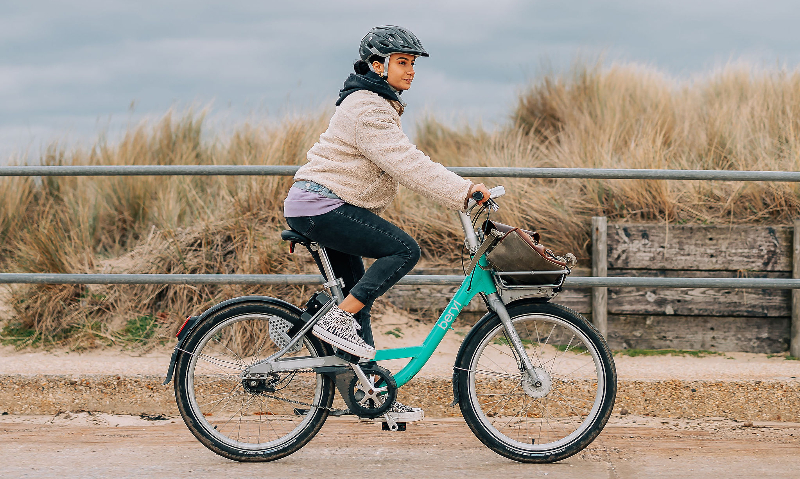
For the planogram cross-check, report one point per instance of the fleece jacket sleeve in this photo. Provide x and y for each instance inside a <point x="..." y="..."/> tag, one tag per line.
<point x="383" y="142"/>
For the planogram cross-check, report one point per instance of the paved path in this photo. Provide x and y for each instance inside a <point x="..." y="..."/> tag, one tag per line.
<point x="87" y="446"/>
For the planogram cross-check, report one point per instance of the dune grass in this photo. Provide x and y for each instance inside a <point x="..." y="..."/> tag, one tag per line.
<point x="620" y="116"/>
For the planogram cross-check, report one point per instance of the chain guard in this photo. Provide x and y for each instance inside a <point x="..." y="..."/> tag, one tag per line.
<point x="372" y="403"/>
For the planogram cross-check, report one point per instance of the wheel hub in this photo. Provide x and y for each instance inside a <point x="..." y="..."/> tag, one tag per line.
<point x="261" y="385"/>
<point x="538" y="387"/>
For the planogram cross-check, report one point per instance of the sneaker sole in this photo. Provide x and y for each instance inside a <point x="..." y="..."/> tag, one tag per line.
<point x="351" y="348"/>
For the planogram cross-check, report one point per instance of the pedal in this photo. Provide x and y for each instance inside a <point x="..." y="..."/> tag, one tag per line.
<point x="398" y="421"/>
<point x="350" y="358"/>
<point x="395" y="426"/>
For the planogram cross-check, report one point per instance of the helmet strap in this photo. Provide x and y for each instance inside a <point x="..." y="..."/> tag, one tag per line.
<point x="385" y="72"/>
<point x="386" y="66"/>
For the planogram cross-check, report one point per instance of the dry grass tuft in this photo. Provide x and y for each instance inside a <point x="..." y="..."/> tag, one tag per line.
<point x="622" y="116"/>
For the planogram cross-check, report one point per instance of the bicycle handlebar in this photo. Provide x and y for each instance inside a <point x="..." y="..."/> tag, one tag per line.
<point x="477" y="196"/>
<point x="470" y="236"/>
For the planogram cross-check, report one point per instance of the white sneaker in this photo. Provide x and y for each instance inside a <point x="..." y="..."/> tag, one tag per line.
<point x="399" y="412"/>
<point x="338" y="328"/>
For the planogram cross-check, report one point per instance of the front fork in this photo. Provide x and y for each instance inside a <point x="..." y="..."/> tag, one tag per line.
<point x="526" y="366"/>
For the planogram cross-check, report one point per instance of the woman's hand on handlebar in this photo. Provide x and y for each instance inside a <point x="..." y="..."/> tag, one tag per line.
<point x="479" y="188"/>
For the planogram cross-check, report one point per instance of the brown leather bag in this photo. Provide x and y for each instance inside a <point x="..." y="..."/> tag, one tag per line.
<point x="519" y="250"/>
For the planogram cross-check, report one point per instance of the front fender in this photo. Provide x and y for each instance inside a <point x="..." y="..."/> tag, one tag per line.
<point x="193" y="321"/>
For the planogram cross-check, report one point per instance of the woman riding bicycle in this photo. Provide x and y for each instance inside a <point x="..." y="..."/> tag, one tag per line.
<point x="354" y="172"/>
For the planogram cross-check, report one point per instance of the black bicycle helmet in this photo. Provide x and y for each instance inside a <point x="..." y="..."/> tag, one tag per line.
<point x="388" y="39"/>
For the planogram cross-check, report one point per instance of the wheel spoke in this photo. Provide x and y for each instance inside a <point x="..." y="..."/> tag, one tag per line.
<point x="579" y="367"/>
<point x="536" y="346"/>
<point x="504" y="397"/>
<point x="555" y="397"/>
<point x="256" y="352"/>
<point x="225" y="397"/>
<point x="220" y="362"/>
<point x="558" y="354"/>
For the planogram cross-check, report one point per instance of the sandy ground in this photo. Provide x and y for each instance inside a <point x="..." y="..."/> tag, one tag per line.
<point x="96" y="445"/>
<point x="639" y="440"/>
<point x="726" y="367"/>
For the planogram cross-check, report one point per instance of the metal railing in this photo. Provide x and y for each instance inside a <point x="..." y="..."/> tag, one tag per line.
<point x="421" y="279"/>
<point x="476" y="171"/>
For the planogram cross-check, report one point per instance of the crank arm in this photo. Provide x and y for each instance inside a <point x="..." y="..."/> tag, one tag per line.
<point x="366" y="382"/>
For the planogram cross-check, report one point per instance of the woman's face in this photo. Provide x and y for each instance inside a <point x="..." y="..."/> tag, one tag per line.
<point x="401" y="70"/>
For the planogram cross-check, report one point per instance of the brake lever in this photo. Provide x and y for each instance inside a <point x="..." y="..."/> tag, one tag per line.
<point x="477" y="196"/>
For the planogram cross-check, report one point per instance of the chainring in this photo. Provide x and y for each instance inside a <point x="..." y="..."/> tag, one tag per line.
<point x="373" y="402"/>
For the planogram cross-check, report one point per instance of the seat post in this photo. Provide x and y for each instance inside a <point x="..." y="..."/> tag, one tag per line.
<point x="333" y="283"/>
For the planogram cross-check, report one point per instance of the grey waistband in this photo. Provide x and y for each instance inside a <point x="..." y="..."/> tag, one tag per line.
<point x="308" y="185"/>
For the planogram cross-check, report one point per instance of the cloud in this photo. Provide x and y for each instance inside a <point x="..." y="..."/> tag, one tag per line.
<point x="63" y="65"/>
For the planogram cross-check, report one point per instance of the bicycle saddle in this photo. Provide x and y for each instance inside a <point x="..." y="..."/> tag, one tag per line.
<point x="293" y="237"/>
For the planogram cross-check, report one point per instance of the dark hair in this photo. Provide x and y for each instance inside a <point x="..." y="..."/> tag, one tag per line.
<point x="362" y="68"/>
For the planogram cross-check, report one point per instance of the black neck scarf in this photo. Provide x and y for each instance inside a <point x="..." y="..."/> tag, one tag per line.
<point x="372" y="82"/>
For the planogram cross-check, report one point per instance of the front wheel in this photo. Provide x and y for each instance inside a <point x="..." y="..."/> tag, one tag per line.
<point x="557" y="413"/>
<point x="250" y="420"/>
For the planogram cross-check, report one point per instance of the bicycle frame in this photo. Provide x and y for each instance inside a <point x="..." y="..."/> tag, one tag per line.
<point x="479" y="281"/>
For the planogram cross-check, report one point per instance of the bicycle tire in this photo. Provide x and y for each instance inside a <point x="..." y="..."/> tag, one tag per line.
<point x="540" y="424"/>
<point x="235" y="419"/>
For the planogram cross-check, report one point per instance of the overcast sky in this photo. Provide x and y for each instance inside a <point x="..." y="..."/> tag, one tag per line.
<point x="71" y="69"/>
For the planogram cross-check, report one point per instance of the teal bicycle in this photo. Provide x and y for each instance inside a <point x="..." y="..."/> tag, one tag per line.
<point x="534" y="380"/>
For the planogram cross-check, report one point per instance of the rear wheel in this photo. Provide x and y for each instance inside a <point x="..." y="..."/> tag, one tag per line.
<point x="548" y="418"/>
<point x="249" y="420"/>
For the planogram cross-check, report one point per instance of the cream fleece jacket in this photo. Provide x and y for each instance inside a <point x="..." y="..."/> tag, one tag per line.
<point x="364" y="155"/>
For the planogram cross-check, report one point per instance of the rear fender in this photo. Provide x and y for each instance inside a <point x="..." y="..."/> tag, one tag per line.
<point x="193" y="321"/>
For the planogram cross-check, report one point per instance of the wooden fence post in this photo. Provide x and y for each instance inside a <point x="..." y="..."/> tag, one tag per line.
<point x="600" y="268"/>
<point x="794" y="335"/>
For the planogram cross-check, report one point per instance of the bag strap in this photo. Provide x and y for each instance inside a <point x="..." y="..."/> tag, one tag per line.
<point x="489" y="225"/>
<point x="488" y="242"/>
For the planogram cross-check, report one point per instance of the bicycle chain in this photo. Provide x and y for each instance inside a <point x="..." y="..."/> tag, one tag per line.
<point x="300" y="403"/>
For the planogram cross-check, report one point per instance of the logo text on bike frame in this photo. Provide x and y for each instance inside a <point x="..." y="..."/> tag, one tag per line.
<point x="450" y="315"/>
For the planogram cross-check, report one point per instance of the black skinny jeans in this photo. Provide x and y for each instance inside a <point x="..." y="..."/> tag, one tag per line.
<point x="349" y="233"/>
